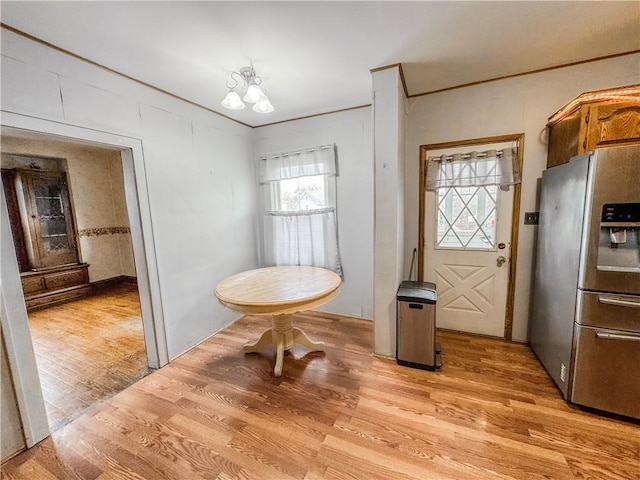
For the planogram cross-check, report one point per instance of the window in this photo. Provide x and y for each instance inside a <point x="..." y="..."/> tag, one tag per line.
<point x="299" y="221"/>
<point x="467" y="217"/>
<point x="302" y="193"/>
<point x="467" y="186"/>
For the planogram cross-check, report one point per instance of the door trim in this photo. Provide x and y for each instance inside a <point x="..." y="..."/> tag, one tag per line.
<point x="15" y="321"/>
<point x="518" y="138"/>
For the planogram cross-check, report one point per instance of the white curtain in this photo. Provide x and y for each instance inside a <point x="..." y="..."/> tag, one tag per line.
<point x="493" y="167"/>
<point x="300" y="237"/>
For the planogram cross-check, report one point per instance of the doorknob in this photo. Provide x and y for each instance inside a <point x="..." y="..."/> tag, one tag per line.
<point x="500" y="260"/>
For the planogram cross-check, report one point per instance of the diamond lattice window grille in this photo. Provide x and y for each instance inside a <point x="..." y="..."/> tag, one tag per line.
<point x="466" y="217"/>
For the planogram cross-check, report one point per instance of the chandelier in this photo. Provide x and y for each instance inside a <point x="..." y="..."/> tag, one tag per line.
<point x="247" y="77"/>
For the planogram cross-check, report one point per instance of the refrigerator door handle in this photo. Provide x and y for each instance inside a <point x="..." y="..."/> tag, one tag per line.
<point x="617" y="336"/>
<point x="618" y="302"/>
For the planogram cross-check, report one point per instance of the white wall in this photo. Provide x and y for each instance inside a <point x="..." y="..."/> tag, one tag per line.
<point x="351" y="132"/>
<point x="389" y="126"/>
<point x="515" y="105"/>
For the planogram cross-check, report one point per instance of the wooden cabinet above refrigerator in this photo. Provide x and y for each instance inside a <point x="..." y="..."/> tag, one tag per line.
<point x="603" y="118"/>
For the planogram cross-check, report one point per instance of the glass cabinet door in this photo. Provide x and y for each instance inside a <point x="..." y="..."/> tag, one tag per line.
<point x="52" y="230"/>
<point x="50" y="212"/>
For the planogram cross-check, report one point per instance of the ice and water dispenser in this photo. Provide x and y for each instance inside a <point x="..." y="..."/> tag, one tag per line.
<point x="416" y="344"/>
<point x="619" y="246"/>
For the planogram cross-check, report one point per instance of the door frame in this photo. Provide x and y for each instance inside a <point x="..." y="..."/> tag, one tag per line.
<point x="518" y="138"/>
<point x="15" y="323"/>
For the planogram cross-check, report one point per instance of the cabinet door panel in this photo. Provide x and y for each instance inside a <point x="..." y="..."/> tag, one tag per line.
<point x="614" y="124"/>
<point x="565" y="139"/>
<point x="65" y="279"/>
<point x="32" y="285"/>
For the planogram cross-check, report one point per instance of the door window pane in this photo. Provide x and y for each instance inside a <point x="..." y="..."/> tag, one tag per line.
<point x="466" y="217"/>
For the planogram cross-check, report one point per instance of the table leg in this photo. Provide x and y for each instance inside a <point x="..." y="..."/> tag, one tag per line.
<point x="282" y="339"/>
<point x="301" y="338"/>
<point x="277" y="371"/>
<point x="282" y="335"/>
<point x="265" y="339"/>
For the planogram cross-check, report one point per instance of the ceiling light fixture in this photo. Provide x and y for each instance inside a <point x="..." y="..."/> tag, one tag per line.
<point x="247" y="77"/>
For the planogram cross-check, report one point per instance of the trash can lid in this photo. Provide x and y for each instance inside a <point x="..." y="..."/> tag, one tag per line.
<point x="420" y="292"/>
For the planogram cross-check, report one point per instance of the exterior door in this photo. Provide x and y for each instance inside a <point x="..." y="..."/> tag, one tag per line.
<point x="467" y="254"/>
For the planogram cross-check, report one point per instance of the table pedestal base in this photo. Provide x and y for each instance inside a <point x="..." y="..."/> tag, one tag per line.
<point x="283" y="335"/>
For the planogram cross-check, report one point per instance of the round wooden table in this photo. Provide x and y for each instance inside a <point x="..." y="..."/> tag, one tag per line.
<point x="279" y="292"/>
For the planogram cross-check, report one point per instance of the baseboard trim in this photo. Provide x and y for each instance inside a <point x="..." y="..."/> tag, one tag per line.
<point x="107" y="283"/>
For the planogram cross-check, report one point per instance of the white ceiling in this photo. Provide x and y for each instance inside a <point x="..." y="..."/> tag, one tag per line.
<point x="316" y="57"/>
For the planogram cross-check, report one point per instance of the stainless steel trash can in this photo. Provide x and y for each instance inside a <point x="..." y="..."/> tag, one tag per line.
<point x="416" y="326"/>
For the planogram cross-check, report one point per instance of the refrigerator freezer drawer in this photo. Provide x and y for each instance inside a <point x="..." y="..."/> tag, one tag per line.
<point x="609" y="310"/>
<point x="605" y="372"/>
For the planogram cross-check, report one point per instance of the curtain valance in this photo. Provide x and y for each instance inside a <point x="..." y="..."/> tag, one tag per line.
<point x="493" y="167"/>
<point x="319" y="160"/>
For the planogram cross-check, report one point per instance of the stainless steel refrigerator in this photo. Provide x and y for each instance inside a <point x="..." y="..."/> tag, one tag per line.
<point x="585" y="321"/>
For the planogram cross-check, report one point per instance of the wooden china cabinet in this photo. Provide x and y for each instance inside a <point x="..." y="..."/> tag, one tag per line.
<point x="604" y="118"/>
<point x="45" y="237"/>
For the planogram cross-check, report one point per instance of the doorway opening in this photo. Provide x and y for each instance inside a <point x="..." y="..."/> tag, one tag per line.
<point x="92" y="326"/>
<point x="69" y="222"/>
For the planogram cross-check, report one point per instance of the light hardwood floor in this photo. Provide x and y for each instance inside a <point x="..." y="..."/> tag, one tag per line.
<point x="491" y="412"/>
<point x="87" y="350"/>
